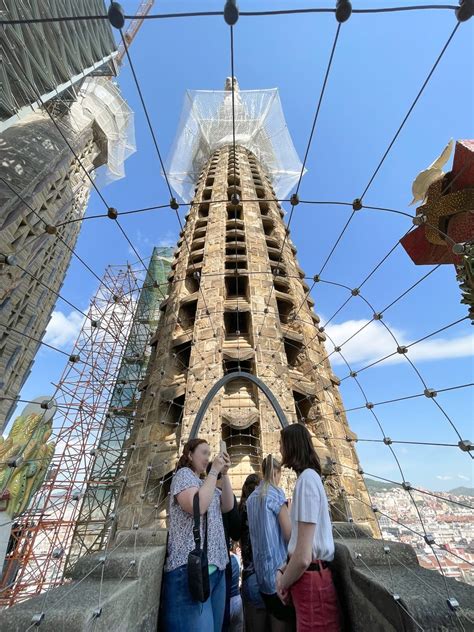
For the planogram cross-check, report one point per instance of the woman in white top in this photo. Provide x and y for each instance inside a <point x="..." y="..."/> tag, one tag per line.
<point x="307" y="577"/>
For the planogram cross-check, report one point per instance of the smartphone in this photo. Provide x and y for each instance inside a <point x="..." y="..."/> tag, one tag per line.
<point x="223" y="447"/>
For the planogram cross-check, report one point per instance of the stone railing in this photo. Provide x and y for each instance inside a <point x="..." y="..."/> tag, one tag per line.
<point x="119" y="590"/>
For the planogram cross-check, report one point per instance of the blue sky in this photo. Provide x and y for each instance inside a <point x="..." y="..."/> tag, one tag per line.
<point x="379" y="66"/>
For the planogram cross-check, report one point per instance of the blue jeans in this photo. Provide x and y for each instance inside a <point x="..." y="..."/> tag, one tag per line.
<point x="181" y="613"/>
<point x="251" y="592"/>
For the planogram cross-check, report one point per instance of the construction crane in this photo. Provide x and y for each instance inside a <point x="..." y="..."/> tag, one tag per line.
<point x="133" y="28"/>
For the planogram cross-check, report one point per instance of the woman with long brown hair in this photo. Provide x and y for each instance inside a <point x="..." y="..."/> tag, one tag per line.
<point x="180" y="611"/>
<point x="307" y="576"/>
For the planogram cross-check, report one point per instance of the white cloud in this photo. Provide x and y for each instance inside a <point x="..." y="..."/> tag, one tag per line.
<point x="463" y="478"/>
<point x="63" y="329"/>
<point x="375" y="342"/>
<point x="168" y="240"/>
<point x="445" y="478"/>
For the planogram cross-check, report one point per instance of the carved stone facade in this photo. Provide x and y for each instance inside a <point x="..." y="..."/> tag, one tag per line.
<point x="237" y="301"/>
<point x="54" y="190"/>
<point x="44" y="192"/>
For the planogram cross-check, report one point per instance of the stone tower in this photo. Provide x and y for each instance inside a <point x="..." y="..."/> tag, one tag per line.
<point x="61" y="119"/>
<point x="237" y="301"/>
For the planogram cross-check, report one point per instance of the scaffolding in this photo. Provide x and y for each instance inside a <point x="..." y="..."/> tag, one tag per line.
<point x="94" y="523"/>
<point x="54" y="57"/>
<point x="97" y="380"/>
<point x="253" y="119"/>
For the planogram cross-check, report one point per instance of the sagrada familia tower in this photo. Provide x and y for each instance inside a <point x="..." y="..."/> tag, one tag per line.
<point x="238" y="310"/>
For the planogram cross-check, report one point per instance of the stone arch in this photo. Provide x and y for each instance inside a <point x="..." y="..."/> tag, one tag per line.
<point x="230" y="377"/>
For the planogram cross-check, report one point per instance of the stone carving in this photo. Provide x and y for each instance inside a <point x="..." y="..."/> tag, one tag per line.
<point x="25" y="456"/>
<point x="445" y="221"/>
<point x="433" y="173"/>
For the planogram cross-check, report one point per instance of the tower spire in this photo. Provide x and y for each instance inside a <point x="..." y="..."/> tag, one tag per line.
<point x="238" y="302"/>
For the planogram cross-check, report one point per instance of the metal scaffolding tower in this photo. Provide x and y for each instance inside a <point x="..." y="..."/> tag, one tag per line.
<point x="92" y="386"/>
<point x="48" y="61"/>
<point x="95" y="519"/>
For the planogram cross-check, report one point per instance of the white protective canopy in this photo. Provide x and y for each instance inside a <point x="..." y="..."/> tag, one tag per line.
<point x="206" y="125"/>
<point x="100" y="101"/>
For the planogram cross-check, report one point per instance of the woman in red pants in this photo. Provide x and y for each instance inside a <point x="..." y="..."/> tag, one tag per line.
<point x="306" y="578"/>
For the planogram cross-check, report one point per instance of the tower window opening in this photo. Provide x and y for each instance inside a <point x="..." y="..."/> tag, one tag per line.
<point x="274" y="254"/>
<point x="203" y="210"/>
<point x="260" y="191"/>
<point x="232" y="190"/>
<point x="235" y="250"/>
<point x="268" y="226"/>
<point x="236" y="264"/>
<point x="199" y="233"/>
<point x="171" y="412"/>
<point x="200" y="224"/>
<point x="187" y="314"/>
<point x="207" y="194"/>
<point x="284" y="310"/>
<point x="210" y="181"/>
<point x="281" y="285"/>
<point x="234" y="236"/>
<point x="182" y="356"/>
<point x="234" y="212"/>
<point x="264" y="208"/>
<point x="278" y="270"/>
<point x="198" y="244"/>
<point x="303" y="405"/>
<point x="231" y="366"/>
<point x="236" y="323"/>
<point x="243" y="442"/>
<point x="273" y="243"/>
<point x="293" y="349"/>
<point x="197" y="257"/>
<point x="236" y="286"/>
<point x="233" y="181"/>
<point x="239" y="438"/>
<point x="192" y="282"/>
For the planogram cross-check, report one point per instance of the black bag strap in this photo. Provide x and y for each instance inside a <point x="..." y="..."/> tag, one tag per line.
<point x="197" y="524"/>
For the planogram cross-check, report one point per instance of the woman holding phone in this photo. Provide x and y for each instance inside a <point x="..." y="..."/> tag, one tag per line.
<point x="180" y="611"/>
<point x="307" y="577"/>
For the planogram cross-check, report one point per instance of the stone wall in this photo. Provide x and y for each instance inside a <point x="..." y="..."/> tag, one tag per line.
<point x="119" y="589"/>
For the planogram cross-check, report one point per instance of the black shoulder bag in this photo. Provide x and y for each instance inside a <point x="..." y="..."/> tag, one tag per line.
<point x="198" y="569"/>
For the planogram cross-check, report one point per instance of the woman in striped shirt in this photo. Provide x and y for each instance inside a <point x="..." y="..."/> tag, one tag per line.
<point x="270" y="530"/>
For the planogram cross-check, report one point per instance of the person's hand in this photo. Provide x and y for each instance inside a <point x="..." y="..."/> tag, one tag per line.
<point x="283" y="593"/>
<point x="227" y="463"/>
<point x="218" y="463"/>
